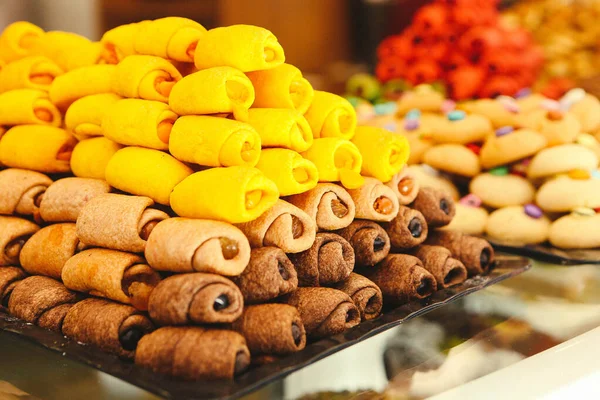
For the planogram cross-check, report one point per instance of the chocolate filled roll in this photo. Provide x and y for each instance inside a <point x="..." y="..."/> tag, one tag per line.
<point x="193" y="353"/>
<point x="118" y="221"/>
<point x="14" y="232"/>
<point x="375" y="201"/>
<point x="42" y="301"/>
<point x="324" y="311"/>
<point x="330" y="205"/>
<point x="436" y="206"/>
<point x="9" y="277"/>
<point x="438" y="260"/>
<point x="402" y="278"/>
<point x="475" y="253"/>
<point x="409" y="229"/>
<point x="47" y="251"/>
<point x="196" y="298"/>
<point x="283" y="225"/>
<point x="370" y="242"/>
<point x="405" y="185"/>
<point x="112" y="327"/>
<point x="116" y="275"/>
<point x="64" y="199"/>
<point x="269" y="274"/>
<point x="21" y="190"/>
<point x="329" y="260"/>
<point x="272" y="329"/>
<point x="365" y="294"/>
<point x="189" y="245"/>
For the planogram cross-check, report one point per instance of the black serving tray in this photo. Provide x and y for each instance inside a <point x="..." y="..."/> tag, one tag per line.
<point x="547" y="252"/>
<point x="506" y="266"/>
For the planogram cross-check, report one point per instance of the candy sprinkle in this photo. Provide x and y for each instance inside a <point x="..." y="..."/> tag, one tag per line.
<point x="411" y="124"/>
<point x="413" y="114"/>
<point x="523" y="93"/>
<point x="533" y="211"/>
<point x="571" y="97"/>
<point x="391" y="126"/>
<point x="447" y="106"/>
<point x="475" y="148"/>
<point x="587" y="212"/>
<point x="579" y="174"/>
<point x="596" y="174"/>
<point x="385" y="108"/>
<point x="550" y="105"/>
<point x="456" y="115"/>
<point x="505" y="130"/>
<point x="470" y="200"/>
<point x="499" y="171"/>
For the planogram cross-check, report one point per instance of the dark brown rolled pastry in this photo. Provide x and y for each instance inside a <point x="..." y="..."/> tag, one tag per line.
<point x="21" y="191"/>
<point x="14" y="232"/>
<point x="365" y="294"/>
<point x="375" y="201"/>
<point x="370" y="242"/>
<point x="47" y="251"/>
<point x="405" y="185"/>
<point x="329" y="260"/>
<point x="9" y="277"/>
<point x="438" y="260"/>
<point x="269" y="274"/>
<point x="330" y="205"/>
<point x="272" y="329"/>
<point x="402" y="278"/>
<point x="117" y="221"/>
<point x="475" y="253"/>
<point x="436" y="206"/>
<point x="409" y="229"/>
<point x="64" y="199"/>
<point x="42" y="301"/>
<point x="324" y="311"/>
<point x="196" y="298"/>
<point x="193" y="353"/>
<point x="112" y="327"/>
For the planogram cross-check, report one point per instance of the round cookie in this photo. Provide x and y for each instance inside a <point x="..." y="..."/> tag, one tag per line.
<point x="561" y="159"/>
<point x="428" y="177"/>
<point x="564" y="194"/>
<point x="589" y="141"/>
<point x="498" y="114"/>
<point x="556" y="126"/>
<point x="453" y="158"/>
<point x="499" y="191"/>
<point x="506" y="149"/>
<point x="512" y="225"/>
<point x="587" y="111"/>
<point x="422" y="97"/>
<point x="471" y="128"/>
<point x="576" y="231"/>
<point x="469" y="220"/>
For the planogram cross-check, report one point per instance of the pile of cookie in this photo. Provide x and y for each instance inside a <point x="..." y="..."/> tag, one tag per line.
<point x="184" y="198"/>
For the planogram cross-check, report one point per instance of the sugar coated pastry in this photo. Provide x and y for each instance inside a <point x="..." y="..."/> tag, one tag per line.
<point x="28" y="106"/>
<point x="33" y="72"/>
<point x="384" y="153"/>
<point x="212" y="91"/>
<point x="505" y="149"/>
<point x="436" y="206"/>
<point x="14" y="232"/>
<point x="174" y="38"/>
<point x="21" y="191"/>
<point x="37" y="147"/>
<point x="429" y="177"/>
<point x="365" y="294"/>
<point x="587" y="111"/>
<point x="453" y="158"/>
<point x="9" y="278"/>
<point x="146" y="172"/>
<point x="468" y="219"/>
<point x="84" y="117"/>
<point x="330" y="115"/>
<point x="461" y="129"/>
<point x="498" y="191"/>
<point x="405" y="185"/>
<point x="91" y="156"/>
<point x="564" y="194"/>
<point x="439" y="261"/>
<point x="245" y="47"/>
<point x="145" y="77"/>
<point x="562" y="159"/>
<point x="422" y="97"/>
<point x="556" y="126"/>
<point x="69" y="50"/>
<point x="214" y="141"/>
<point x="576" y="231"/>
<point x="281" y="87"/>
<point x="337" y="160"/>
<point x="281" y="127"/>
<point x="291" y="172"/>
<point x="190" y="245"/>
<point x="407" y="230"/>
<point x="64" y="199"/>
<point x="370" y="242"/>
<point x="118" y="42"/>
<point x="496" y="111"/>
<point x="475" y="253"/>
<point x="375" y="201"/>
<point x="244" y="194"/>
<point x="17" y="40"/>
<point x="518" y="225"/>
<point x="85" y="81"/>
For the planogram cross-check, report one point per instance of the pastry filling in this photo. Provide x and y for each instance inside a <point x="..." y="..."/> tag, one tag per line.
<point x="378" y="244"/>
<point x="444" y="206"/>
<point x="339" y="208"/>
<point x="383" y="205"/>
<point x="253" y="198"/>
<point x="425" y="288"/>
<point x="406" y="186"/>
<point x="484" y="258"/>
<point x="65" y="152"/>
<point x="41" y="79"/>
<point x="13" y="249"/>
<point x="296" y="334"/>
<point x="164" y="130"/>
<point x="229" y="248"/>
<point x="372" y="305"/>
<point x="130" y="338"/>
<point x="285" y="275"/>
<point x="37" y="201"/>
<point x="164" y="85"/>
<point x="147" y="229"/>
<point x="43" y="114"/>
<point x="191" y="50"/>
<point x="109" y="54"/>
<point x="298" y="89"/>
<point x="242" y="361"/>
<point x="554" y="115"/>
<point x="221" y="303"/>
<point x="453" y="276"/>
<point x="297" y="227"/>
<point x="247" y="152"/>
<point x="351" y="315"/>
<point x="415" y="227"/>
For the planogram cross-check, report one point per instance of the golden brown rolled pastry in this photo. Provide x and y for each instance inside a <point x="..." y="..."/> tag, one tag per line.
<point x="14" y="232"/>
<point x="9" y="277"/>
<point x="64" y="199"/>
<point x="119" y="222"/>
<point x="370" y="242"/>
<point x="375" y="201"/>
<point x="447" y="270"/>
<point x="365" y="294"/>
<point x="189" y="245"/>
<point x="21" y="190"/>
<point x="405" y="185"/>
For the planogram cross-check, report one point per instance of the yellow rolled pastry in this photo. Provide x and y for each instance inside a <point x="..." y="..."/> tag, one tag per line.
<point x="28" y="106"/>
<point x="91" y="156"/>
<point x="384" y="153"/>
<point x="282" y="87"/>
<point x="137" y="122"/>
<point x="84" y="117"/>
<point x="17" y="40"/>
<point x="39" y="148"/>
<point x="118" y="42"/>
<point x="214" y="142"/>
<point x="245" y="47"/>
<point x="280" y="127"/>
<point x="291" y="172"/>
<point x="81" y="82"/>
<point x="146" y="172"/>
<point x="330" y="115"/>
<point x="233" y="194"/>
<point x="33" y="72"/>
<point x="69" y="50"/>
<point x="212" y="91"/>
<point x="145" y="77"/>
<point x="337" y="160"/>
<point x="21" y="191"/>
<point x="175" y="38"/>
